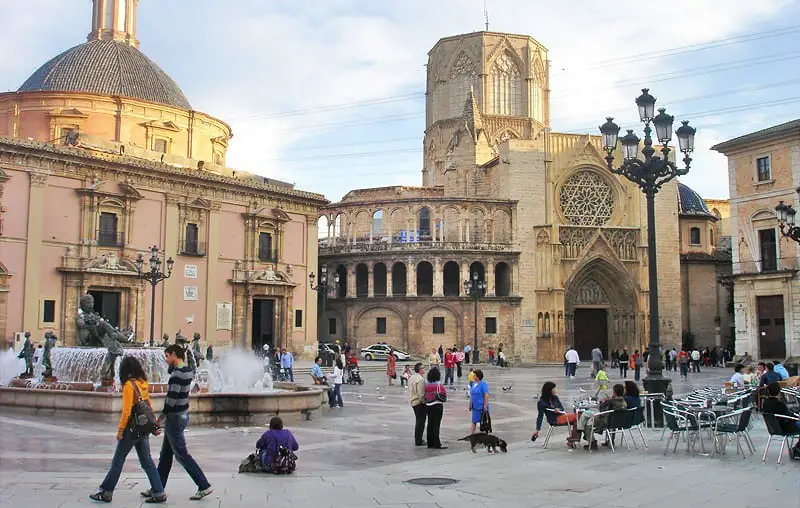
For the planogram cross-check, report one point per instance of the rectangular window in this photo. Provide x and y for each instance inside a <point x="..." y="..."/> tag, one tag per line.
<point x="380" y="326"/>
<point x="160" y="145"/>
<point x="265" y="252"/>
<point x="694" y="236"/>
<point x="48" y="311"/>
<point x="107" y="234"/>
<point x="331" y="326"/>
<point x="438" y="325"/>
<point x="762" y="166"/>
<point x="769" y="252"/>
<point x="298" y="318"/>
<point x="491" y="325"/>
<point x="190" y="245"/>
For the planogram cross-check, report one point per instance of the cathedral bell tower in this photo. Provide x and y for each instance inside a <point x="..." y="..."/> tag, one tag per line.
<point x="114" y="20"/>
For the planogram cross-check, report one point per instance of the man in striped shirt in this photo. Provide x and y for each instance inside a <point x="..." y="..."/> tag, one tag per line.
<point x="174" y="420"/>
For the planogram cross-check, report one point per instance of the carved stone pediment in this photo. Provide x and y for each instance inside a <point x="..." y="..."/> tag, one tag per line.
<point x="591" y="293"/>
<point x="109" y="262"/>
<point x="270" y="276"/>
<point x="586" y="154"/>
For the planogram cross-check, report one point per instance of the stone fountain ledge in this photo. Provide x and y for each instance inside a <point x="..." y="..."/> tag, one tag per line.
<point x="292" y="402"/>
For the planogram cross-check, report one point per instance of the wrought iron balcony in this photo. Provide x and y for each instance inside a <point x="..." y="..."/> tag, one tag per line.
<point x="110" y="238"/>
<point x="193" y="248"/>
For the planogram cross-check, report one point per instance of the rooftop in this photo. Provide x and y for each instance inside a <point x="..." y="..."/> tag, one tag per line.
<point x="775" y="130"/>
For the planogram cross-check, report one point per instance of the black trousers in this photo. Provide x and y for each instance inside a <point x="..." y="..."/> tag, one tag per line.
<point x="420" y="414"/>
<point x="435" y="413"/>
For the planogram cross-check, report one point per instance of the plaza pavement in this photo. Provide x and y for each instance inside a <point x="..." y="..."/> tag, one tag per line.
<point x="362" y="455"/>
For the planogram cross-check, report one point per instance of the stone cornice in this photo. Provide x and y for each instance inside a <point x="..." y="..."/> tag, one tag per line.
<point x="71" y="162"/>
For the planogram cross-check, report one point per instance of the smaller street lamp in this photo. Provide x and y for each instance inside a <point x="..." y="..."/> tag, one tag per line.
<point x="154" y="275"/>
<point x="476" y="289"/>
<point x="786" y="220"/>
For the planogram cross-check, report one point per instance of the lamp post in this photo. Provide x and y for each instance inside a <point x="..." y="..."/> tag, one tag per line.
<point x="154" y="275"/>
<point x="322" y="286"/>
<point x="475" y="288"/>
<point x="650" y="175"/>
<point x="786" y="220"/>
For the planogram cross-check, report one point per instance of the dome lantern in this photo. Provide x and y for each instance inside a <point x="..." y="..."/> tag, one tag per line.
<point x="114" y="20"/>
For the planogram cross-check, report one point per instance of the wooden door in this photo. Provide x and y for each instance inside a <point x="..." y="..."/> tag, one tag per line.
<point x="591" y="330"/>
<point x="771" y="327"/>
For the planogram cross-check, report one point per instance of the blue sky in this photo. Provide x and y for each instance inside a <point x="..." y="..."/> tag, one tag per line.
<point x="729" y="67"/>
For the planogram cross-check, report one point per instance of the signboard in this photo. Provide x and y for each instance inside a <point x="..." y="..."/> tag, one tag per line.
<point x="190" y="271"/>
<point x="190" y="293"/>
<point x="224" y="315"/>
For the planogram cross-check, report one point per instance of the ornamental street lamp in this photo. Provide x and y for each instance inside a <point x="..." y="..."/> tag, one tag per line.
<point x="322" y="287"/>
<point x="476" y="289"/>
<point x="650" y="175"/>
<point x="154" y="275"/>
<point x="786" y="220"/>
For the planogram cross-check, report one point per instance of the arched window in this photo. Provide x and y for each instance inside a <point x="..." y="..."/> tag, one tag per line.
<point x="694" y="236"/>
<point x="337" y="226"/>
<point x="424" y="279"/>
<point x="477" y="267"/>
<point x="322" y="228"/>
<point x="462" y="80"/>
<point x="341" y="288"/>
<point x="451" y="279"/>
<point x="424" y="223"/>
<point x="711" y="235"/>
<point x="399" y="279"/>
<point x="507" y="97"/>
<point x="502" y="279"/>
<point x="379" y="279"/>
<point x="362" y="280"/>
<point x="377" y="224"/>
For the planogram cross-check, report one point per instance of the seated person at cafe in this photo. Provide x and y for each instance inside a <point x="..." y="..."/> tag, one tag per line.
<point x="770" y="376"/>
<point x="774" y="405"/>
<point x="269" y="445"/>
<point x="587" y="428"/>
<point x="737" y="379"/>
<point x="632" y="397"/>
<point x="316" y="372"/>
<point x="551" y="407"/>
<point x="781" y="370"/>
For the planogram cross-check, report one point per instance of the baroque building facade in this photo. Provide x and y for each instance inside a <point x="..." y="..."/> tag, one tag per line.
<point x="764" y="169"/>
<point x="535" y="214"/>
<point x="102" y="157"/>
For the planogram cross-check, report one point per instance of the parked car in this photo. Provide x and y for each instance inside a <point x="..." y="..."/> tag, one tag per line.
<point x="381" y="352"/>
<point x="328" y="347"/>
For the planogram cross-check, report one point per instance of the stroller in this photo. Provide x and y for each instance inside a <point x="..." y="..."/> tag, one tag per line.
<point x="353" y="376"/>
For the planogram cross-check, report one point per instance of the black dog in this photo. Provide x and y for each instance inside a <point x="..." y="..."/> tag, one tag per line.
<point x="492" y="443"/>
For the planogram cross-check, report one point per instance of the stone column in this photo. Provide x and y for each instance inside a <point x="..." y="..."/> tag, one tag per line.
<point x="389" y="279"/>
<point x="465" y="273"/>
<point x="411" y="278"/>
<point x="438" y="289"/>
<point x="370" y="280"/>
<point x="490" y="289"/>
<point x="351" y="281"/>
<point x="171" y="289"/>
<point x="213" y="241"/>
<point x="33" y="254"/>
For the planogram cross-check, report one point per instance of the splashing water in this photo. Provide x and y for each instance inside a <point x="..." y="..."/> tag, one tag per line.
<point x="237" y="371"/>
<point x="10" y="366"/>
<point x="85" y="365"/>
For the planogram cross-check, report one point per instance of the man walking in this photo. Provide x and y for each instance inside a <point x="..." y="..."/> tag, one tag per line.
<point x="287" y="362"/>
<point x="597" y="359"/>
<point x="467" y="351"/>
<point x="695" y="360"/>
<point x="417" y="387"/>
<point x="572" y="361"/>
<point x="449" y="366"/>
<point x="174" y="420"/>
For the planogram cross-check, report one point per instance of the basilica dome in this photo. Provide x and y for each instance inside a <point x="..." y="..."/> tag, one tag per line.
<point x="110" y="68"/>
<point x="690" y="202"/>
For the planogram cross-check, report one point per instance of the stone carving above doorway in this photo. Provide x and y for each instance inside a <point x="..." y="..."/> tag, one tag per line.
<point x="591" y="293"/>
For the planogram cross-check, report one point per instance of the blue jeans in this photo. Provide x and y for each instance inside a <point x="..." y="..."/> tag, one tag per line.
<point x="335" y="396"/>
<point x="448" y="374"/>
<point x="175" y="445"/>
<point x="124" y="447"/>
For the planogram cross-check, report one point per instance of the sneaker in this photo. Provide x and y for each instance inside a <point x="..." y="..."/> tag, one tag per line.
<point x="157" y="499"/>
<point x="200" y="494"/>
<point x="102" y="495"/>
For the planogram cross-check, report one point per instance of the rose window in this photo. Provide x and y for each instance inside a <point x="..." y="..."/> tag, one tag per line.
<point x="586" y="199"/>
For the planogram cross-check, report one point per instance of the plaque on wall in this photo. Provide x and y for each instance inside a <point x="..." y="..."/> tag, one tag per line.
<point x="190" y="271"/>
<point x="224" y="315"/>
<point x="190" y="293"/>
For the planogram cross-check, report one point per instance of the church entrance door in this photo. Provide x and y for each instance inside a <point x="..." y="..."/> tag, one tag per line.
<point x="107" y="304"/>
<point x="263" y="325"/>
<point x="591" y="330"/>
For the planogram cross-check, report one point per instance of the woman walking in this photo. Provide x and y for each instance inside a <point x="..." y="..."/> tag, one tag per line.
<point x="478" y="399"/>
<point x="435" y="397"/>
<point x="134" y="389"/>
<point x="335" y="395"/>
<point x="391" y="366"/>
<point x="623" y="363"/>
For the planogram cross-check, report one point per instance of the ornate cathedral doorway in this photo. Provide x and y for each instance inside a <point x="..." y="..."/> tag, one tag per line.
<point x="591" y="330"/>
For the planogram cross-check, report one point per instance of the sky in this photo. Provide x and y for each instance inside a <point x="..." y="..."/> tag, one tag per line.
<point x="329" y="94"/>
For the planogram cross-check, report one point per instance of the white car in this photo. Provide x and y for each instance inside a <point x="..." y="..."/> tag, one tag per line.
<point x="381" y="352"/>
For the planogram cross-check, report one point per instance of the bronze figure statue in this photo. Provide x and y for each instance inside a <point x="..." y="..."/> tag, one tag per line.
<point x="94" y="331"/>
<point x="27" y="354"/>
<point x="49" y="343"/>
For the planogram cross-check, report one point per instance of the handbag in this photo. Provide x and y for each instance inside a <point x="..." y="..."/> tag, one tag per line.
<point x="142" y="421"/>
<point x="286" y="462"/>
<point x="439" y="395"/>
<point x="486" y="422"/>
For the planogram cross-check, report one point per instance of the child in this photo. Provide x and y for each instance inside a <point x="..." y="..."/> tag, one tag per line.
<point x="405" y="376"/>
<point x="601" y="381"/>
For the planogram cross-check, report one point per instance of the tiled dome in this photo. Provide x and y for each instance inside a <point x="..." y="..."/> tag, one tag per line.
<point x="690" y="202"/>
<point x="107" y="68"/>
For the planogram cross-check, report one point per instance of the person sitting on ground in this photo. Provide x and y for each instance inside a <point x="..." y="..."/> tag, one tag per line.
<point x="556" y="415"/>
<point x="585" y="425"/>
<point x="774" y="405"/>
<point x="770" y="376"/>
<point x="316" y="372"/>
<point x="781" y="370"/>
<point x="269" y="445"/>
<point x="632" y="398"/>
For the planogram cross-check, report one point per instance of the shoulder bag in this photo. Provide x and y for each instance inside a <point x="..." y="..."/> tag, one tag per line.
<point x="486" y="422"/>
<point x="143" y="421"/>
<point x="440" y="395"/>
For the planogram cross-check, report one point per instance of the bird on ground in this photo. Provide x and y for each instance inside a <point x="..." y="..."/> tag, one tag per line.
<point x="506" y="388"/>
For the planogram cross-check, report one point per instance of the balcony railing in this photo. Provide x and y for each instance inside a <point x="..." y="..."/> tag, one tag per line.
<point x="110" y="238"/>
<point x="268" y="255"/>
<point x="380" y="246"/>
<point x="193" y="248"/>
<point x="787" y="264"/>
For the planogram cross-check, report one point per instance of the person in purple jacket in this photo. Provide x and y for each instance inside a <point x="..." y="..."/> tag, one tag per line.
<point x="271" y="440"/>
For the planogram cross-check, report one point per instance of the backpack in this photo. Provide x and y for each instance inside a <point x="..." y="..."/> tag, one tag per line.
<point x="639" y="361"/>
<point x="286" y="462"/>
<point x="143" y="421"/>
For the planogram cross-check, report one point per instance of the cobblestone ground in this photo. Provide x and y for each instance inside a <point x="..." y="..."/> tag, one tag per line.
<point x="363" y="455"/>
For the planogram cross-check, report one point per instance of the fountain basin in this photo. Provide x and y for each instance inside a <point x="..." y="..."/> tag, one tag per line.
<point x="239" y="409"/>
